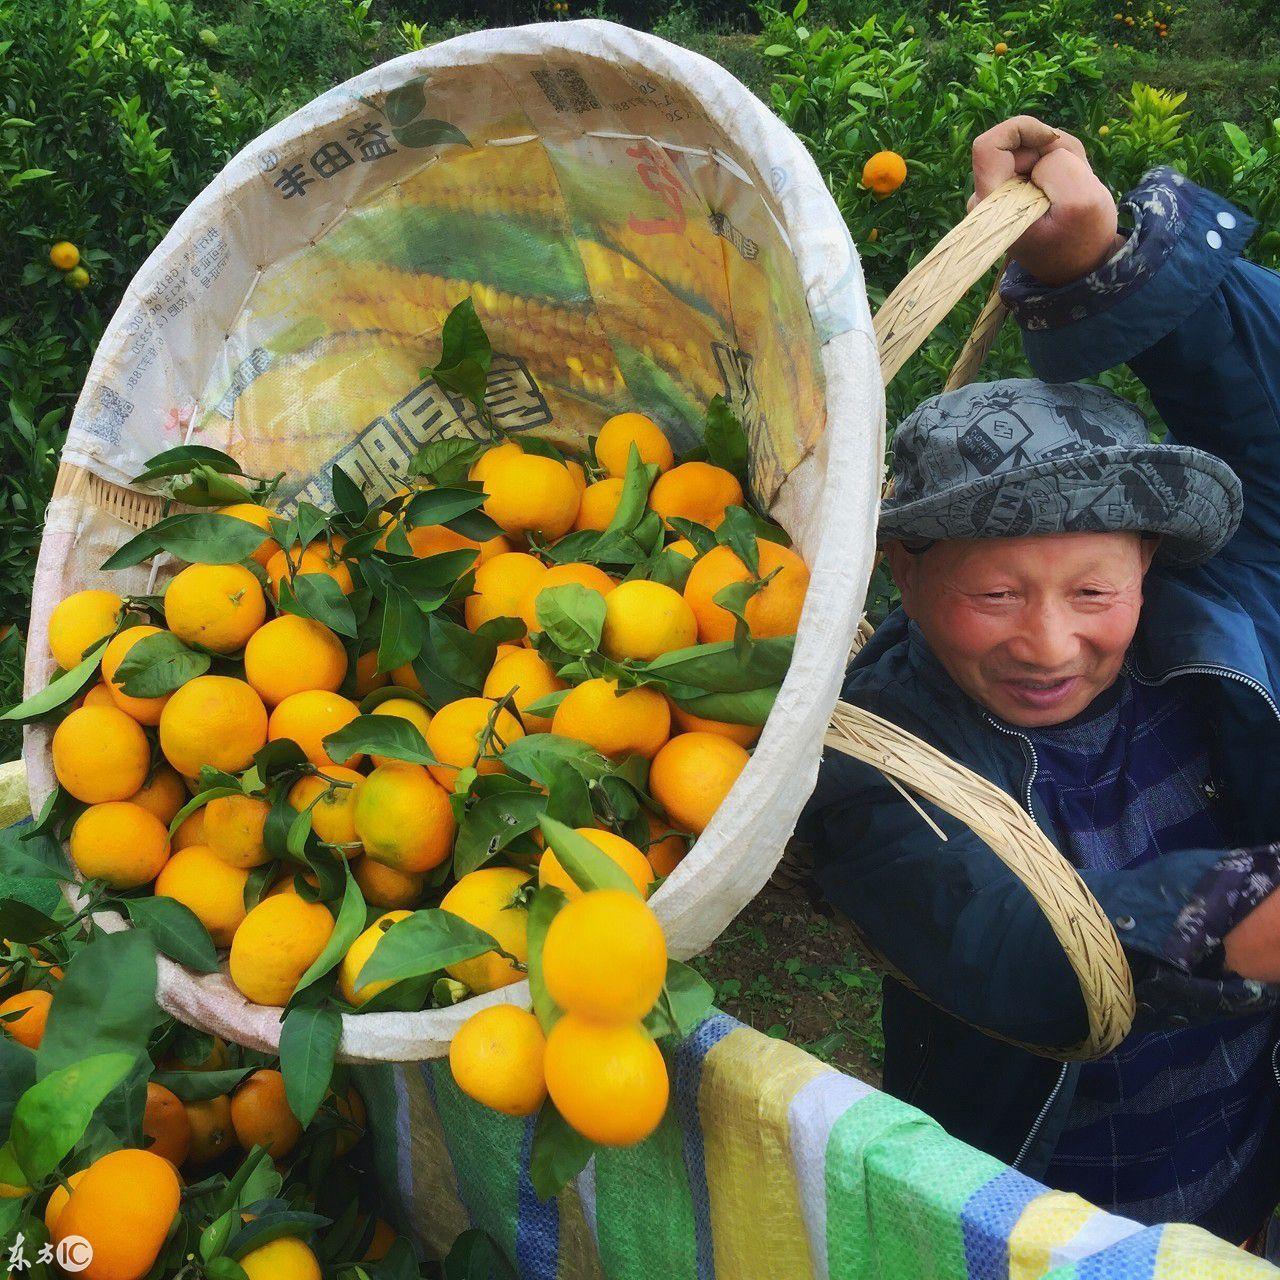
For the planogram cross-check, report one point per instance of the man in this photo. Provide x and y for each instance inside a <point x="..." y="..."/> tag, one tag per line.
<point x="1092" y="622"/>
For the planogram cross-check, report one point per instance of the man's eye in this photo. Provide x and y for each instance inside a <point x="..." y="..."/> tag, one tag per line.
<point x="997" y="595"/>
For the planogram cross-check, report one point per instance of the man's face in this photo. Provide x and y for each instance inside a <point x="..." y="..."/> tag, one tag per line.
<point x="1032" y="628"/>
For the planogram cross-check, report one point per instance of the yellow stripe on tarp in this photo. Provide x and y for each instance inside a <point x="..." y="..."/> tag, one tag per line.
<point x="15" y="803"/>
<point x="579" y="1258"/>
<point x="442" y="1217"/>
<point x="1046" y="1224"/>
<point x="1187" y="1253"/>
<point x="748" y="1082"/>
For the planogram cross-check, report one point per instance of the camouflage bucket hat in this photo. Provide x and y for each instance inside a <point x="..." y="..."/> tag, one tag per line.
<point x="1016" y="457"/>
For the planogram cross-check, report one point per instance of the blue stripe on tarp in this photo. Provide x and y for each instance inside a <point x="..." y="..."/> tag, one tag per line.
<point x="1133" y="1258"/>
<point x="988" y="1219"/>
<point x="689" y="1058"/>
<point x="538" y="1222"/>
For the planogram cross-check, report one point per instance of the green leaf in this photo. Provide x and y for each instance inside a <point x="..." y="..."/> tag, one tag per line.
<point x="404" y="630"/>
<point x="200" y="537"/>
<point x="272" y="1226"/>
<point x="348" y="496"/>
<point x="309" y="1041"/>
<point x="686" y="1000"/>
<point x="588" y="867"/>
<point x="725" y="437"/>
<point x="348" y="927"/>
<point x="734" y="598"/>
<point x="509" y="810"/>
<point x="573" y="616"/>
<point x="17" y="1075"/>
<point x="671" y="569"/>
<point x="633" y="505"/>
<point x="184" y="459"/>
<point x="454" y="662"/>
<point x="198" y="801"/>
<point x="536" y="756"/>
<point x="421" y="944"/>
<point x="1239" y="140"/>
<point x="474" y="1255"/>
<point x="703" y="539"/>
<point x="200" y="1086"/>
<point x="558" y="1153"/>
<point x="176" y="930"/>
<point x="405" y="101"/>
<point x="547" y="705"/>
<point x="542" y="910"/>
<point x="448" y="460"/>
<point x="465" y="354"/>
<point x="439" y="506"/>
<point x="214" y="1238"/>
<point x="379" y="735"/>
<point x="750" y="706"/>
<point x="319" y="597"/>
<point x="224" y="1268"/>
<point x="59" y="691"/>
<point x="430" y="580"/>
<point x="21" y="922"/>
<point x="158" y="664"/>
<point x="429" y="133"/>
<point x="718" y="668"/>
<point x="738" y="533"/>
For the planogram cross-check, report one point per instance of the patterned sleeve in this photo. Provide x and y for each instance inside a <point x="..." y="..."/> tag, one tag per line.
<point x="1224" y="896"/>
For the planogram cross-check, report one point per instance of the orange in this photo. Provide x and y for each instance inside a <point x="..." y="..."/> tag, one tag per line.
<point x="599" y="504"/>
<point x="692" y="774"/>
<point x="368" y="677"/>
<point x="643" y="620"/>
<point x="402" y="816"/>
<point x="293" y="655"/>
<point x="579" y="474"/>
<point x="616" y="724"/>
<point x="384" y="886"/>
<point x="384" y="1236"/>
<point x="190" y="830"/>
<point x="260" y="518"/>
<point x="358" y="956"/>
<point x="501" y="586"/>
<point x="123" y="1206"/>
<point x="278" y="942"/>
<point x="333" y="814"/>
<point x="79" y="622"/>
<point x="308" y="717"/>
<point x="607" y="1080"/>
<point x="350" y="1107"/>
<point x="33" y="1007"/>
<point x="613" y="444"/>
<point x="143" y="710"/>
<point x="58" y="1198"/>
<point x="98" y="696"/>
<point x="696" y="491"/>
<point x="683" y="547"/>
<point x="213" y="720"/>
<point x="218" y="1058"/>
<point x="414" y="712"/>
<point x="1000" y="49"/>
<point x="233" y="829"/>
<point x="559" y="575"/>
<point x="530" y="494"/>
<point x="407" y="678"/>
<point x="745" y="735"/>
<point x="165" y="1123"/>
<point x="261" y="1116"/>
<point x="317" y="558"/>
<point x="286" y="1258"/>
<point x="218" y="606"/>
<point x="436" y="539"/>
<point x="523" y="674"/>
<point x="496" y="1058"/>
<point x="100" y="754"/>
<point x="666" y="847"/>
<point x="64" y="255"/>
<point x="884" y="173"/>
<point x="211" y="1129"/>
<point x="488" y="899"/>
<point x="212" y="890"/>
<point x="120" y="843"/>
<point x="479" y="469"/>
<point x="772" y="611"/>
<point x="164" y="794"/>
<point x="604" y="957"/>
<point x="461" y="736"/>
<point x="621" y="851"/>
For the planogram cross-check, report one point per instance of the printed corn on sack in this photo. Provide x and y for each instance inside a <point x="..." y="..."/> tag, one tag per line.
<point x="637" y="232"/>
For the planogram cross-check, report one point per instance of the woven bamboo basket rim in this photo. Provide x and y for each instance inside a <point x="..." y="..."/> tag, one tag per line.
<point x="909" y="314"/>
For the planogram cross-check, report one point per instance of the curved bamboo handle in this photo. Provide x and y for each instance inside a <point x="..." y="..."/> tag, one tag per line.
<point x="946" y="273"/>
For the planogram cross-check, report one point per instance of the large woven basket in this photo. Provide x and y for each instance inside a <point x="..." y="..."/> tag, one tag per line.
<point x="699" y="243"/>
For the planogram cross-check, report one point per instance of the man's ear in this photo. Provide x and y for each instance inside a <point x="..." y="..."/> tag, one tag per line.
<point x="904" y="567"/>
<point x="1148" y="547"/>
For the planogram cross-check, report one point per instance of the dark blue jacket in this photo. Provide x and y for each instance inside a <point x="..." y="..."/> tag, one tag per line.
<point x="1201" y="328"/>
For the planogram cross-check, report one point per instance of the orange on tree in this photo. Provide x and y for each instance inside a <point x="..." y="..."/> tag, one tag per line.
<point x="212" y="720"/>
<point x="286" y="1258"/>
<point x="384" y="886"/>
<point x="319" y="557"/>
<point x="579" y="474"/>
<point x="403" y="818"/>
<point x="643" y="620"/>
<point x="406" y="678"/>
<point x="599" y="504"/>
<point x="77" y="278"/>
<point x="97" y="696"/>
<point x="123" y="1206"/>
<point x="355" y="1119"/>
<point x="608" y="1080"/>
<point x="144" y="710"/>
<point x="696" y="491"/>
<point x="559" y="575"/>
<point x="614" y="723"/>
<point x="496" y="1058"/>
<point x="233" y="828"/>
<point x="332" y="807"/>
<point x="613" y="444"/>
<point x="308" y="717"/>
<point x="407" y="709"/>
<point x="79" y="622"/>
<point x="211" y="889"/>
<point x="165" y="1124"/>
<point x="258" y="516"/>
<point x="666" y="846"/>
<point x="437" y="539"/>
<point x="64" y="255"/>
<point x="480" y="468"/>
<point x="691" y="776"/>
<point x="774" y="610"/>
<point x="604" y="956"/>
<point x="212" y="1133"/>
<point x="190" y="830"/>
<point x="528" y="493"/>
<point x="100" y="754"/>
<point x="1000" y="49"/>
<point x="162" y="794"/>
<point x="261" y="1117"/>
<point x="291" y="655"/>
<point x="218" y="606"/>
<point x="884" y="173"/>
<point x="32" y="1008"/>
<point x="468" y="733"/>
<point x="58" y="1198"/>
<point x="683" y="547"/>
<point x="120" y="843"/>
<point x="357" y="957"/>
<point x="623" y="852"/>
<point x="745" y="735"/>
<point x="501" y="585"/>
<point x="217" y="1058"/>
<point x="526" y="676"/>
<point x="279" y="940"/>
<point x="491" y="899"/>
<point x="368" y="677"/>
<point x="384" y="1236"/>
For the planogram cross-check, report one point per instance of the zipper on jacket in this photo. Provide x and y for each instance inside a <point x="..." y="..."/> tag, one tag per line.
<point x="1044" y="1111"/>
<point x="1030" y="748"/>
<point x="1275" y="1069"/>
<point x="1205" y="669"/>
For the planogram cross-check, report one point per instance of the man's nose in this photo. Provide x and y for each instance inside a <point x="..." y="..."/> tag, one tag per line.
<point x="1046" y="639"/>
